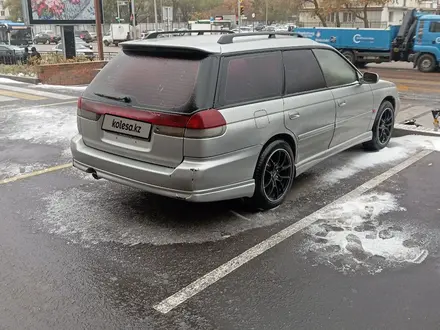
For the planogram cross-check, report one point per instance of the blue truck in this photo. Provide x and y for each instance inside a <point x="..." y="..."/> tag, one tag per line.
<point x="416" y="40"/>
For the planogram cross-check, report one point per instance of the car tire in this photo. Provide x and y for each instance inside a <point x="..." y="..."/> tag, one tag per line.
<point x="275" y="170"/>
<point x="382" y="128"/>
<point x="426" y="63"/>
<point x="349" y="55"/>
<point x="106" y="43"/>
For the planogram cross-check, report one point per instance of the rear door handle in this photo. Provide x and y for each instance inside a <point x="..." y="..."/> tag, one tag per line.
<point x="342" y="103"/>
<point x="293" y="115"/>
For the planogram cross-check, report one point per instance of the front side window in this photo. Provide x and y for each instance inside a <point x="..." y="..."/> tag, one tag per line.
<point x="434" y="27"/>
<point x="302" y="72"/>
<point x="337" y="71"/>
<point x="250" y="78"/>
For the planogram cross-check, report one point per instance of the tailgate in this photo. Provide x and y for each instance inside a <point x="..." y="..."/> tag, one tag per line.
<point x="141" y="99"/>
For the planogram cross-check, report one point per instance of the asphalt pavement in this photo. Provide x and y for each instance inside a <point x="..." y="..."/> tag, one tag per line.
<point x="355" y="246"/>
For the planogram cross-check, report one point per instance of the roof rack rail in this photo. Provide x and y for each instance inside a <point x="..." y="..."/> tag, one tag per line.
<point x="155" y="34"/>
<point x="229" y="38"/>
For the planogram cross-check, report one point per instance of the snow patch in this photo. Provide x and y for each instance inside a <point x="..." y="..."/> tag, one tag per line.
<point x="10" y="81"/>
<point x="113" y="213"/>
<point x="353" y="236"/>
<point x="398" y="149"/>
<point x="40" y="125"/>
<point x="61" y="88"/>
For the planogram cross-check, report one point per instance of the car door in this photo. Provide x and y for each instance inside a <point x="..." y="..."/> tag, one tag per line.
<point x="354" y="100"/>
<point x="309" y="107"/>
<point x="432" y="37"/>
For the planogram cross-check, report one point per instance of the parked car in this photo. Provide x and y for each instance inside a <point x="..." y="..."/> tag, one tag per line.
<point x="93" y="35"/>
<point x="269" y="28"/>
<point x="246" y="115"/>
<point x="242" y="29"/>
<point x="54" y="37"/>
<point x="79" y="41"/>
<point x="11" y="54"/>
<point x="46" y="37"/>
<point x="84" y="35"/>
<point x="259" y="27"/>
<point x="80" y="50"/>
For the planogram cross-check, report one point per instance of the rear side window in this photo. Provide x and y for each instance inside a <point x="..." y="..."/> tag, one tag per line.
<point x="302" y="72"/>
<point x="250" y="78"/>
<point x="156" y="81"/>
<point x="434" y="27"/>
<point x="337" y="71"/>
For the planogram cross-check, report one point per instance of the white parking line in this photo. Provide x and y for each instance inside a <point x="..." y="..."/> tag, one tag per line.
<point x="217" y="274"/>
<point x="37" y="92"/>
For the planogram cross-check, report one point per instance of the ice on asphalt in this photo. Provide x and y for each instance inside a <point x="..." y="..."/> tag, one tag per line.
<point x="51" y="125"/>
<point x="61" y="88"/>
<point x="398" y="149"/>
<point x="11" y="81"/>
<point x="355" y="235"/>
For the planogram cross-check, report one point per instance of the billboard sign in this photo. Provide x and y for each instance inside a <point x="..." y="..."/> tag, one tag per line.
<point x="61" y="12"/>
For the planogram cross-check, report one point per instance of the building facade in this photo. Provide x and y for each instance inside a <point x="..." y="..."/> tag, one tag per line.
<point x="4" y="12"/>
<point x="378" y="16"/>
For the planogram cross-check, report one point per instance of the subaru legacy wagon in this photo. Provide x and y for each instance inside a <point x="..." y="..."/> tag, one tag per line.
<point x="223" y="116"/>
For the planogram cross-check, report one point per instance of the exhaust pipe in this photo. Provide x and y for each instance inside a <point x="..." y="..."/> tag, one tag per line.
<point x="93" y="172"/>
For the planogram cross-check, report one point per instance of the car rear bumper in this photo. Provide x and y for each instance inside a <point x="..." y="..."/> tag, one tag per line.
<point x="193" y="180"/>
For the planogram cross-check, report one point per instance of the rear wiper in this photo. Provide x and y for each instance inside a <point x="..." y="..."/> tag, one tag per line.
<point x="125" y="99"/>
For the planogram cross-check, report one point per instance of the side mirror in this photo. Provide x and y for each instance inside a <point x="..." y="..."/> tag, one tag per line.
<point x="370" y="78"/>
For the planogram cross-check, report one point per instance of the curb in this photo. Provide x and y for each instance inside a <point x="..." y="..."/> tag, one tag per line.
<point x="402" y="130"/>
<point x="29" y="80"/>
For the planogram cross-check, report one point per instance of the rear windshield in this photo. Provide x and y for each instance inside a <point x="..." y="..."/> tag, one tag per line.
<point x="170" y="82"/>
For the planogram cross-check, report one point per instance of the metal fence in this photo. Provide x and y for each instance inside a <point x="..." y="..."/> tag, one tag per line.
<point x="18" y="58"/>
<point x="92" y="28"/>
<point x="353" y="24"/>
<point x="12" y="57"/>
<point x="107" y="55"/>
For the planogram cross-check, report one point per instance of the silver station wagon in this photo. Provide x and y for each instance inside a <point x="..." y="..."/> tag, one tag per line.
<point x="223" y="116"/>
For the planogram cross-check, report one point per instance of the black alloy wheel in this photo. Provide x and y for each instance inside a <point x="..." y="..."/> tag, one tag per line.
<point x="277" y="174"/>
<point x="382" y="128"/>
<point x="385" y="126"/>
<point x="273" y="175"/>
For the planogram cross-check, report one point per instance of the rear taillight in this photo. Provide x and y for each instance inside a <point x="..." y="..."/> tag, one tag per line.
<point x="203" y="124"/>
<point x="84" y="113"/>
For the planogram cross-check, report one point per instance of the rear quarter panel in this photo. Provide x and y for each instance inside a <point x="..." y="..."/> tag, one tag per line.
<point x="247" y="126"/>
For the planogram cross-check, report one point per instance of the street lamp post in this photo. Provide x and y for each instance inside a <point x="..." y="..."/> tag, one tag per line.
<point x="134" y="20"/>
<point x="155" y="15"/>
<point x="266" y="12"/>
<point x="98" y="29"/>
